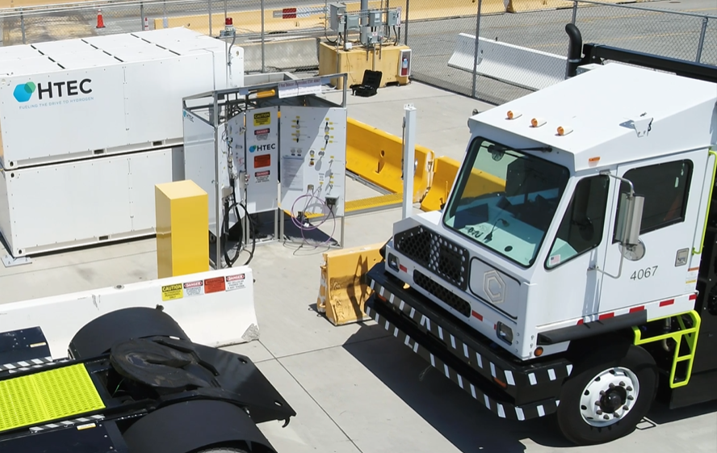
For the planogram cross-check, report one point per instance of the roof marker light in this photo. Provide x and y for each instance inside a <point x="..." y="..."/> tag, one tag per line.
<point x="537" y="122"/>
<point x="564" y="130"/>
<point x="512" y="114"/>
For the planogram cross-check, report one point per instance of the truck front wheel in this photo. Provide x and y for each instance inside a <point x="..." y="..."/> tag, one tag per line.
<point x="607" y="395"/>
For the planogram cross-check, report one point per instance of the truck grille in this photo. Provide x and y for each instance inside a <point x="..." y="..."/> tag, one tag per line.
<point x="442" y="293"/>
<point x="437" y="254"/>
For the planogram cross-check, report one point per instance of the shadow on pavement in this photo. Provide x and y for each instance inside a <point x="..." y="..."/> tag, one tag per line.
<point x="463" y="421"/>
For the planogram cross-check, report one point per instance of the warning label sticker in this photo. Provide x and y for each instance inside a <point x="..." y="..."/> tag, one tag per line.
<point x="262" y="160"/>
<point x="235" y="282"/>
<point x="262" y="119"/>
<point x="194" y="288"/>
<point x="214" y="285"/>
<point x="262" y="176"/>
<point x="171" y="292"/>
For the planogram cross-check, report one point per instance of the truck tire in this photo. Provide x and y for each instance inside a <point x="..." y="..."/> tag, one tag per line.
<point x="609" y="392"/>
<point x="99" y="335"/>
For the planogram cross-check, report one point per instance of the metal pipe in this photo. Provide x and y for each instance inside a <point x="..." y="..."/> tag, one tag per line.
<point x="141" y="16"/>
<point x="263" y="40"/>
<point x="701" y="42"/>
<point x="405" y="28"/>
<point x="409" y="153"/>
<point x="22" y="25"/>
<point x="575" y="50"/>
<point x="209" y="7"/>
<point x="575" y="12"/>
<point x="217" y="186"/>
<point x="476" y="51"/>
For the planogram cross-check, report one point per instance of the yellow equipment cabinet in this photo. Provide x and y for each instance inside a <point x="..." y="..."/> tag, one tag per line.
<point x="182" y="210"/>
<point x="354" y="62"/>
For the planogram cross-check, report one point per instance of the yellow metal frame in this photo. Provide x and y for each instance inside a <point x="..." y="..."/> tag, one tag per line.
<point x="709" y="204"/>
<point x="690" y="335"/>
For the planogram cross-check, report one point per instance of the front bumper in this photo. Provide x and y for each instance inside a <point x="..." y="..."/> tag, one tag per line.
<point x="528" y="390"/>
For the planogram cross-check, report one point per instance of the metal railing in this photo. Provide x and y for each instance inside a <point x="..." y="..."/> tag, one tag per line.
<point x="430" y="28"/>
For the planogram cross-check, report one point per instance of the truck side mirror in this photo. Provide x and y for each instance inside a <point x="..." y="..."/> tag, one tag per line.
<point x="629" y="219"/>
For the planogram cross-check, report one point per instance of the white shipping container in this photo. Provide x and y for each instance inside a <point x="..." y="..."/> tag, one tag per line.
<point x="90" y="97"/>
<point x="84" y="202"/>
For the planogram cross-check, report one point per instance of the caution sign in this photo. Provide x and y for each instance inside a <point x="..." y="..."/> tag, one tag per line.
<point x="171" y="292"/>
<point x="235" y="281"/>
<point x="262" y="119"/>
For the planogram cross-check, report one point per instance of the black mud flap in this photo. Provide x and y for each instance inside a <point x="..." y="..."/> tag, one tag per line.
<point x="192" y="425"/>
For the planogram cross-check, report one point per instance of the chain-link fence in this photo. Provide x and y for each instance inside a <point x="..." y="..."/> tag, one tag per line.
<point x="280" y="37"/>
<point x="675" y="34"/>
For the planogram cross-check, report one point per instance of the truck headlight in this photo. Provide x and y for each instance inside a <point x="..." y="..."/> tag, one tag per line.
<point x="504" y="332"/>
<point x="392" y="262"/>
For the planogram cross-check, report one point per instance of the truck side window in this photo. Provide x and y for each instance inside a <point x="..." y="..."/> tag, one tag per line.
<point x="582" y="226"/>
<point x="664" y="187"/>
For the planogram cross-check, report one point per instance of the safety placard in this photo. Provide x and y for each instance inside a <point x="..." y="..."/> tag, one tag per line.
<point x="214" y="285"/>
<point x="172" y="292"/>
<point x="195" y="288"/>
<point x="235" y="281"/>
<point x="263" y="160"/>
<point x="262" y="119"/>
<point x="261" y="157"/>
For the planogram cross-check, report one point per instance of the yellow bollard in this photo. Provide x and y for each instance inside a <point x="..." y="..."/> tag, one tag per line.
<point x="182" y="210"/>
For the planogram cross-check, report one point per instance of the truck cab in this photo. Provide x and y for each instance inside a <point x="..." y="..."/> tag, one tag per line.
<point x="528" y="243"/>
<point x="565" y="272"/>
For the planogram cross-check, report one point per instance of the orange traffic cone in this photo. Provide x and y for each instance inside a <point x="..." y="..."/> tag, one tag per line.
<point x="100" y="21"/>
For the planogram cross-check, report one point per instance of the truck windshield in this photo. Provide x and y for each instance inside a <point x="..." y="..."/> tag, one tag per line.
<point x="505" y="199"/>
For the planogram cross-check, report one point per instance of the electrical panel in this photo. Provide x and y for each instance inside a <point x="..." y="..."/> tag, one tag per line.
<point x="353" y="23"/>
<point x="254" y="143"/>
<point x="313" y="160"/>
<point x="336" y="12"/>
<point x="374" y="18"/>
<point x="393" y="17"/>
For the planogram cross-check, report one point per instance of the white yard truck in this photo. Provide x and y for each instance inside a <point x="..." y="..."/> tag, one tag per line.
<point x="572" y="269"/>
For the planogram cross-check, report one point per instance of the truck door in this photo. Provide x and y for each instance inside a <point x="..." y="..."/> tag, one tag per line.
<point x="656" y="269"/>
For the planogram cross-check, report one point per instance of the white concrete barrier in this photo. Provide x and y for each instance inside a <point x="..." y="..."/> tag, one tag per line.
<point x="214" y="308"/>
<point x="520" y="66"/>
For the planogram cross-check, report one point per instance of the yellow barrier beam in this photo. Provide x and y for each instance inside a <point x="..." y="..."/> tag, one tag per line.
<point x="445" y="170"/>
<point x="343" y="293"/>
<point x="182" y="210"/>
<point x="377" y="156"/>
<point x="444" y="175"/>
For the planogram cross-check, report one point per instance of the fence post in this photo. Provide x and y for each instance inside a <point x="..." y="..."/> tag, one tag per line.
<point x="209" y="6"/>
<point x="263" y="36"/>
<point x="575" y="12"/>
<point x="475" y="52"/>
<point x="141" y="16"/>
<point x="405" y="29"/>
<point x="701" y="43"/>
<point x="165" y="20"/>
<point x="22" y="25"/>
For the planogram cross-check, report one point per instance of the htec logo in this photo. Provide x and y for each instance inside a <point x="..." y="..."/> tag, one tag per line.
<point x="267" y="147"/>
<point x="52" y="90"/>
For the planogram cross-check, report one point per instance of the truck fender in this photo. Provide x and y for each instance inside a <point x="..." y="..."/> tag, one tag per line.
<point x="192" y="425"/>
<point x="99" y="335"/>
